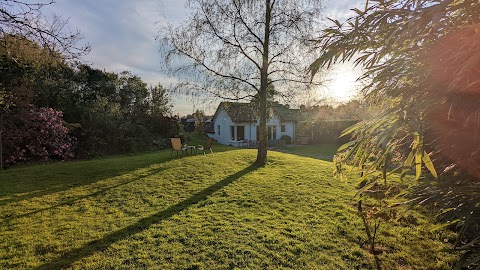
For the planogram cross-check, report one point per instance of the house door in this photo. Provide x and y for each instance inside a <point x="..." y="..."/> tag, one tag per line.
<point x="271" y="132"/>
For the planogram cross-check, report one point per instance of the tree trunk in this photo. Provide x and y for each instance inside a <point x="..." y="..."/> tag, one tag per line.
<point x="262" y="142"/>
<point x="1" y="150"/>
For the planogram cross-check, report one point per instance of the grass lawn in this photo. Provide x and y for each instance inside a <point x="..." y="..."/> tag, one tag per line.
<point x="324" y="151"/>
<point x="201" y="212"/>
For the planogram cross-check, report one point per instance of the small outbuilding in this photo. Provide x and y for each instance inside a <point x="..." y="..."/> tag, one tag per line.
<point x="235" y="123"/>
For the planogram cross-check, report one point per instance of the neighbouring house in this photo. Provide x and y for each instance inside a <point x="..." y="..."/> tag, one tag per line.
<point x="234" y="123"/>
<point x="209" y="126"/>
<point x="189" y="124"/>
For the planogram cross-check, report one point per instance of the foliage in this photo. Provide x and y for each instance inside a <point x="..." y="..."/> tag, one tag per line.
<point x="108" y="113"/>
<point x="420" y="60"/>
<point x="214" y="212"/>
<point x="159" y="101"/>
<point x="329" y="131"/>
<point x="353" y="109"/>
<point x="37" y="135"/>
<point x="199" y="117"/>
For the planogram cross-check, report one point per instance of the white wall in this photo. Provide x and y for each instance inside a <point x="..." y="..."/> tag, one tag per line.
<point x="224" y="121"/>
<point x="289" y="127"/>
<point x="289" y="130"/>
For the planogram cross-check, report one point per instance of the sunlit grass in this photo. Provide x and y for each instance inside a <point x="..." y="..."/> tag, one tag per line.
<point x="324" y="151"/>
<point x="201" y="212"/>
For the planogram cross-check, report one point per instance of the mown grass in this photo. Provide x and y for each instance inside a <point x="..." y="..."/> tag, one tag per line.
<point x="323" y="151"/>
<point x="197" y="212"/>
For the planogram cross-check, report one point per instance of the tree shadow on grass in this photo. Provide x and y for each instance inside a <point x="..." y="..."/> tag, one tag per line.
<point x="102" y="244"/>
<point x="94" y="194"/>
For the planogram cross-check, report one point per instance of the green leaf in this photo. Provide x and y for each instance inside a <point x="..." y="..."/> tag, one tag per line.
<point x="365" y="188"/>
<point x="336" y="22"/>
<point x="443" y="225"/>
<point x="409" y="161"/>
<point x="345" y="146"/>
<point x="429" y="164"/>
<point x="351" y="129"/>
<point x="406" y="165"/>
<point x="418" y="164"/>
<point x="418" y="148"/>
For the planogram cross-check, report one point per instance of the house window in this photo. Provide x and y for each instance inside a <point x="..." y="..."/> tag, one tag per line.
<point x="237" y="133"/>
<point x="272" y="132"/>
<point x="282" y="128"/>
<point x="240" y="133"/>
<point x="218" y="130"/>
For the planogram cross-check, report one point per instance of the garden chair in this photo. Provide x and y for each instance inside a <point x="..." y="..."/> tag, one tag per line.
<point x="207" y="146"/>
<point x="177" y="146"/>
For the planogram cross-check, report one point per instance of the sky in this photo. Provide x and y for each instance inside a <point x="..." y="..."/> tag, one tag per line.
<point x="122" y="35"/>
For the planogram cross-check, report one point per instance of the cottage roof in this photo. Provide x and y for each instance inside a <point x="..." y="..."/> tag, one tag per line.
<point x="246" y="112"/>
<point x="287" y="114"/>
<point x="238" y="112"/>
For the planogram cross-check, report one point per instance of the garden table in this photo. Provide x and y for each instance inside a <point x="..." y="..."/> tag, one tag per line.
<point x="191" y="148"/>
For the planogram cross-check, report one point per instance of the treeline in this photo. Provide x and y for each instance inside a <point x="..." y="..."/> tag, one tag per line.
<point x="53" y="109"/>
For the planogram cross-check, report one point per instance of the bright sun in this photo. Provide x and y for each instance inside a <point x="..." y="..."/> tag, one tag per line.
<point x="341" y="85"/>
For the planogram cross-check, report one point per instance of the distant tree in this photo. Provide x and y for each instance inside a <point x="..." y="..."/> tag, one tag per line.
<point x="25" y="19"/>
<point x="236" y="49"/>
<point x="133" y="94"/>
<point x="159" y="101"/>
<point x="353" y="109"/>
<point x="199" y="121"/>
<point x="92" y="83"/>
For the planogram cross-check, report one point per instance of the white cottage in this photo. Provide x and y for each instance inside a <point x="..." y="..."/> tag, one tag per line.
<point x="234" y="123"/>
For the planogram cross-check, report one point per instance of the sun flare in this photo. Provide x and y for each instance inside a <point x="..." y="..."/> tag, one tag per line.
<point x="341" y="85"/>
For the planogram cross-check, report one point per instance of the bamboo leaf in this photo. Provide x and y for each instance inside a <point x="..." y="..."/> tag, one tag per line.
<point x="443" y="225"/>
<point x="345" y="146"/>
<point x="429" y="164"/>
<point x="409" y="161"/>
<point x="418" y="164"/>
<point x="365" y="188"/>
<point x="351" y="129"/>
<point x="417" y="147"/>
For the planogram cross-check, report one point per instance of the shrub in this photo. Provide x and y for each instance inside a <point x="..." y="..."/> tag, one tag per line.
<point x="39" y="134"/>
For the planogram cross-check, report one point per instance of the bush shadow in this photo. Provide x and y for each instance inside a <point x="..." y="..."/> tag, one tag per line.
<point x="24" y="183"/>
<point x="93" y="194"/>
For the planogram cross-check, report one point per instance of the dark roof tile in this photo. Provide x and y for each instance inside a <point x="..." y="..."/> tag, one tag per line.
<point x="246" y="112"/>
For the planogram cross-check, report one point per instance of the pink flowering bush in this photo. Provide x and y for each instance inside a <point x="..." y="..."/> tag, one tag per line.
<point x="37" y="135"/>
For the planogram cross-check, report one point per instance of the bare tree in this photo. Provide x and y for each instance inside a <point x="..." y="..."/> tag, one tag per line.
<point x="235" y="49"/>
<point x="25" y="19"/>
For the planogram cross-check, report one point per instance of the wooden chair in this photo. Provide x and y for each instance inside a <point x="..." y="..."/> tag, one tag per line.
<point x="177" y="146"/>
<point x="206" y="146"/>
